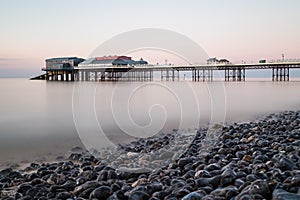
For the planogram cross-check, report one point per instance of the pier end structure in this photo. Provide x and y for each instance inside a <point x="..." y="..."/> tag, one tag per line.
<point x="62" y="68"/>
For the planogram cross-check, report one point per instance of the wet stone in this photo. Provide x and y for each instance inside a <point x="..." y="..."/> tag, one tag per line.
<point x="64" y="195"/>
<point x="102" y="192"/>
<point x="183" y="161"/>
<point x="23" y="188"/>
<point x="87" y="185"/>
<point x="280" y="194"/>
<point x="138" y="195"/>
<point x="193" y="196"/>
<point x="285" y="164"/>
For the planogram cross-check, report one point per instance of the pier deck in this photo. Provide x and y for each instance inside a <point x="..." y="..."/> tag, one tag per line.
<point x="201" y="72"/>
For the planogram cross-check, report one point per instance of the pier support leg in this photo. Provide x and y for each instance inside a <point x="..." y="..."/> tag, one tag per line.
<point x="280" y="76"/>
<point x="151" y="75"/>
<point x="96" y="76"/>
<point x="102" y="76"/>
<point x="74" y="76"/>
<point x="81" y="75"/>
<point x="173" y="75"/>
<point x="67" y="75"/>
<point x="192" y="75"/>
<point x="234" y="75"/>
<point x="167" y="75"/>
<point x="86" y="76"/>
<point x="55" y="75"/>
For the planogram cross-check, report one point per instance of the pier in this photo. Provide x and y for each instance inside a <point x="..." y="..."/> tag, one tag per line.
<point x="117" y="69"/>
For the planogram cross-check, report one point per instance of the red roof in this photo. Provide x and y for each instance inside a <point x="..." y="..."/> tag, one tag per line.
<point x="113" y="58"/>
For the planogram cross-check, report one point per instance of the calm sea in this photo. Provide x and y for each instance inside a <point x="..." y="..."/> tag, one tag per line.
<point x="48" y="117"/>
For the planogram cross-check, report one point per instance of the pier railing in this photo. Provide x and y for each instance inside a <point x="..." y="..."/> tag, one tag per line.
<point x="199" y="72"/>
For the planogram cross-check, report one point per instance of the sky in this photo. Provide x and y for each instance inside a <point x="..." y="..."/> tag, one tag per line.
<point x="33" y="30"/>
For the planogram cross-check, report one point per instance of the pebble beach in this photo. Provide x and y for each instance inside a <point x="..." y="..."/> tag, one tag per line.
<point x="241" y="161"/>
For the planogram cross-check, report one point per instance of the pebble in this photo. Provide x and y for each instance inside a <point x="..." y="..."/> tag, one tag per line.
<point x="101" y="193"/>
<point x="138" y="195"/>
<point x="193" y="196"/>
<point x="280" y="194"/>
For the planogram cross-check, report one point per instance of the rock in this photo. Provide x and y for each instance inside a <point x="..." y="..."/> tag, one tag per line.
<point x="101" y="193"/>
<point x="203" y="174"/>
<point x="75" y="156"/>
<point x="280" y="194"/>
<point x="166" y="155"/>
<point x="212" y="167"/>
<point x="193" y="196"/>
<point x="285" y="164"/>
<point x="23" y="188"/>
<point x="27" y="197"/>
<point x="112" y="175"/>
<point x="244" y="197"/>
<point x="228" y="176"/>
<point x="260" y="187"/>
<point x="202" y="182"/>
<point x="77" y="149"/>
<point x="64" y="195"/>
<point x="87" y="185"/>
<point x="227" y="192"/>
<point x="183" y="161"/>
<point x="69" y="185"/>
<point x="128" y="173"/>
<point x="132" y="154"/>
<point x="86" y="193"/>
<point x="240" y="154"/>
<point x="154" y="187"/>
<point x="6" y="171"/>
<point x="103" y="175"/>
<point x="138" y="195"/>
<point x="161" y="194"/>
<point x="14" y="174"/>
<point x="295" y="181"/>
<point x="32" y="192"/>
<point x="181" y="192"/>
<point x="249" y="139"/>
<point x="247" y="158"/>
<point x="134" y="170"/>
<point x="238" y="182"/>
<point x="138" y="182"/>
<point x="214" y="181"/>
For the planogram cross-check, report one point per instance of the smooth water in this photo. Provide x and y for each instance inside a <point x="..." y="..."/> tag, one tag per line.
<point x="44" y="118"/>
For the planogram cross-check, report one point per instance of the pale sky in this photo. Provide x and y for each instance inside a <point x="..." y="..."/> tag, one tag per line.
<point x="34" y="30"/>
